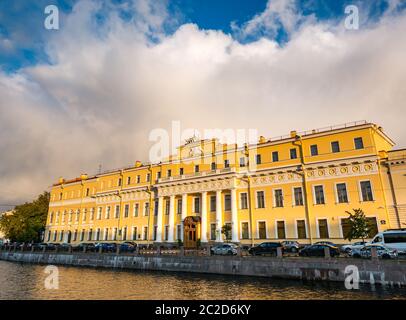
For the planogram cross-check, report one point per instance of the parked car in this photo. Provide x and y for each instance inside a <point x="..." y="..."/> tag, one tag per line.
<point x="382" y="251"/>
<point x="91" y="247"/>
<point x="327" y="243"/>
<point x="106" y="246"/>
<point x="317" y="250"/>
<point x="127" y="246"/>
<point x="224" y="249"/>
<point x="394" y="239"/>
<point x="347" y="248"/>
<point x="290" y="246"/>
<point x="265" y="248"/>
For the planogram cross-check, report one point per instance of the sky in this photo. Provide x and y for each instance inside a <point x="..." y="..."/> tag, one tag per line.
<point x="91" y="92"/>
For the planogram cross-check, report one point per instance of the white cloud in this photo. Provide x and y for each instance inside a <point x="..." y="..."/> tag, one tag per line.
<point x="103" y="94"/>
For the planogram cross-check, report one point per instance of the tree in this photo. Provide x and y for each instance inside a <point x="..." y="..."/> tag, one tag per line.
<point x="226" y="230"/>
<point x="358" y="225"/>
<point x="27" y="221"/>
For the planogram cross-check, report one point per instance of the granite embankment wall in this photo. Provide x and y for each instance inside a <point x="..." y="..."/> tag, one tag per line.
<point x="392" y="272"/>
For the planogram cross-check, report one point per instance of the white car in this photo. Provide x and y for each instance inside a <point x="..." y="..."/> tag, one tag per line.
<point x="224" y="249"/>
<point x="347" y="248"/>
<point x="382" y="251"/>
<point x="394" y="239"/>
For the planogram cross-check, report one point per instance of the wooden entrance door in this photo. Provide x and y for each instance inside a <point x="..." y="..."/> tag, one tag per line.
<point x="191" y="232"/>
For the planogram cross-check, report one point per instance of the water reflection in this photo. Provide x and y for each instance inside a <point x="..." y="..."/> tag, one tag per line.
<point x="22" y="281"/>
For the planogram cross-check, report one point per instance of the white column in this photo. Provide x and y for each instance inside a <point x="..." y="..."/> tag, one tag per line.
<point x="159" y="220"/>
<point x="234" y="216"/>
<point x="219" y="216"/>
<point x="204" y="217"/>
<point x="171" y="218"/>
<point x="184" y="211"/>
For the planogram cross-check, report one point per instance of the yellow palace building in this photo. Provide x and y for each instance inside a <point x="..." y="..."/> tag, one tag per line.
<point x="296" y="187"/>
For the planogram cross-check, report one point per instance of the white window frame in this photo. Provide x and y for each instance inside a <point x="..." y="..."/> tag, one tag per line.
<point x="314" y="194"/>
<point x="318" y="229"/>
<point x="274" y="198"/>
<point x="336" y="193"/>
<point x="276" y="228"/>
<point x="266" y="229"/>
<point x="360" y="190"/>
<point x="249" y="229"/>
<point x="293" y="197"/>
<point x="240" y="206"/>
<point x="306" y="228"/>
<point x="193" y="205"/>
<point x="135" y="207"/>
<point x="107" y="213"/>
<point x="144" y="209"/>
<point x="224" y="199"/>
<point x="256" y="199"/>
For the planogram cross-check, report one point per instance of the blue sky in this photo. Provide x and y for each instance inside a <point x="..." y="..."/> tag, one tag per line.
<point x="21" y="21"/>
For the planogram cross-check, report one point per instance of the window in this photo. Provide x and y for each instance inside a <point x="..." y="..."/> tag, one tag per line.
<point x="226" y="163"/>
<point x="135" y="232"/>
<point x="366" y="191"/>
<point x="213" y="166"/>
<point x="213" y="231"/>
<point x="106" y="234"/>
<point x="262" y="230"/>
<point x="91" y="214"/>
<point x="293" y="153"/>
<point x="179" y="232"/>
<point x="212" y="203"/>
<point x="227" y="202"/>
<point x="51" y="218"/>
<point x="146" y="233"/>
<point x="181" y="171"/>
<point x="155" y="232"/>
<point x="148" y="177"/>
<point x="55" y="235"/>
<point x="128" y="180"/>
<point x="196" y="168"/>
<point x="117" y="213"/>
<point x="298" y="196"/>
<point x="342" y="196"/>
<point x="138" y="178"/>
<point x="136" y="209"/>
<point x="313" y="150"/>
<point x="146" y="209"/>
<point x="242" y="162"/>
<point x="99" y="213"/>
<point x="124" y="237"/>
<point x="158" y="175"/>
<point x="275" y="156"/>
<point x="60" y="196"/>
<point x="179" y="207"/>
<point x="319" y="194"/>
<point x="244" y="230"/>
<point x="108" y="212"/>
<point x="358" y="143"/>
<point x="114" y="235"/>
<point x="228" y="236"/>
<point x="323" y="229"/>
<point x="126" y="209"/>
<point x="77" y="216"/>
<point x="167" y="204"/>
<point x="301" y="229"/>
<point x="119" y="182"/>
<point x="156" y="207"/>
<point x="278" y="198"/>
<point x="169" y="173"/>
<point x="98" y="234"/>
<point x="196" y="205"/>
<point x="87" y="192"/>
<point x="166" y="233"/>
<point x="84" y="215"/>
<point x="335" y="147"/>
<point x="244" y="201"/>
<point x="280" y="226"/>
<point x="61" y="236"/>
<point x="258" y="159"/>
<point x="260" y="200"/>
<point x="89" y="235"/>
<point x="82" y="235"/>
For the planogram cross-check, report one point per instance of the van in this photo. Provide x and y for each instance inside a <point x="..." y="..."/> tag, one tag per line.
<point x="393" y="239"/>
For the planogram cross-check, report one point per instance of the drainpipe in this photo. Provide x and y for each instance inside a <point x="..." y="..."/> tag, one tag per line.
<point x="248" y="177"/>
<point x="395" y="202"/>
<point x="304" y="183"/>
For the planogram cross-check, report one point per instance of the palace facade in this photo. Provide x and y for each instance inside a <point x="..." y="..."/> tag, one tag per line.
<point x="296" y="187"/>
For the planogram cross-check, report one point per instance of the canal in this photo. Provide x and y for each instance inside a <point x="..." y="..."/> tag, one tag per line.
<point x="25" y="281"/>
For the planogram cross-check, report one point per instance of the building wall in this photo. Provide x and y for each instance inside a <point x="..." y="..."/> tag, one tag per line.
<point x="130" y="186"/>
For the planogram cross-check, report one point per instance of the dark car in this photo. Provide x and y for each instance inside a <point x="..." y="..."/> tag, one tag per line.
<point x="327" y="243"/>
<point x="81" y="246"/>
<point x="317" y="250"/>
<point x="127" y="246"/>
<point x="106" y="246"/>
<point x="265" y="248"/>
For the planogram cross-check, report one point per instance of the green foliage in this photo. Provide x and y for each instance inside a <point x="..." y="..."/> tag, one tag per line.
<point x="27" y="221"/>
<point x="226" y="230"/>
<point x="180" y="243"/>
<point x="358" y="225"/>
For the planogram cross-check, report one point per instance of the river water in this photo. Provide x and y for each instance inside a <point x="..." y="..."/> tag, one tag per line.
<point x="25" y="281"/>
